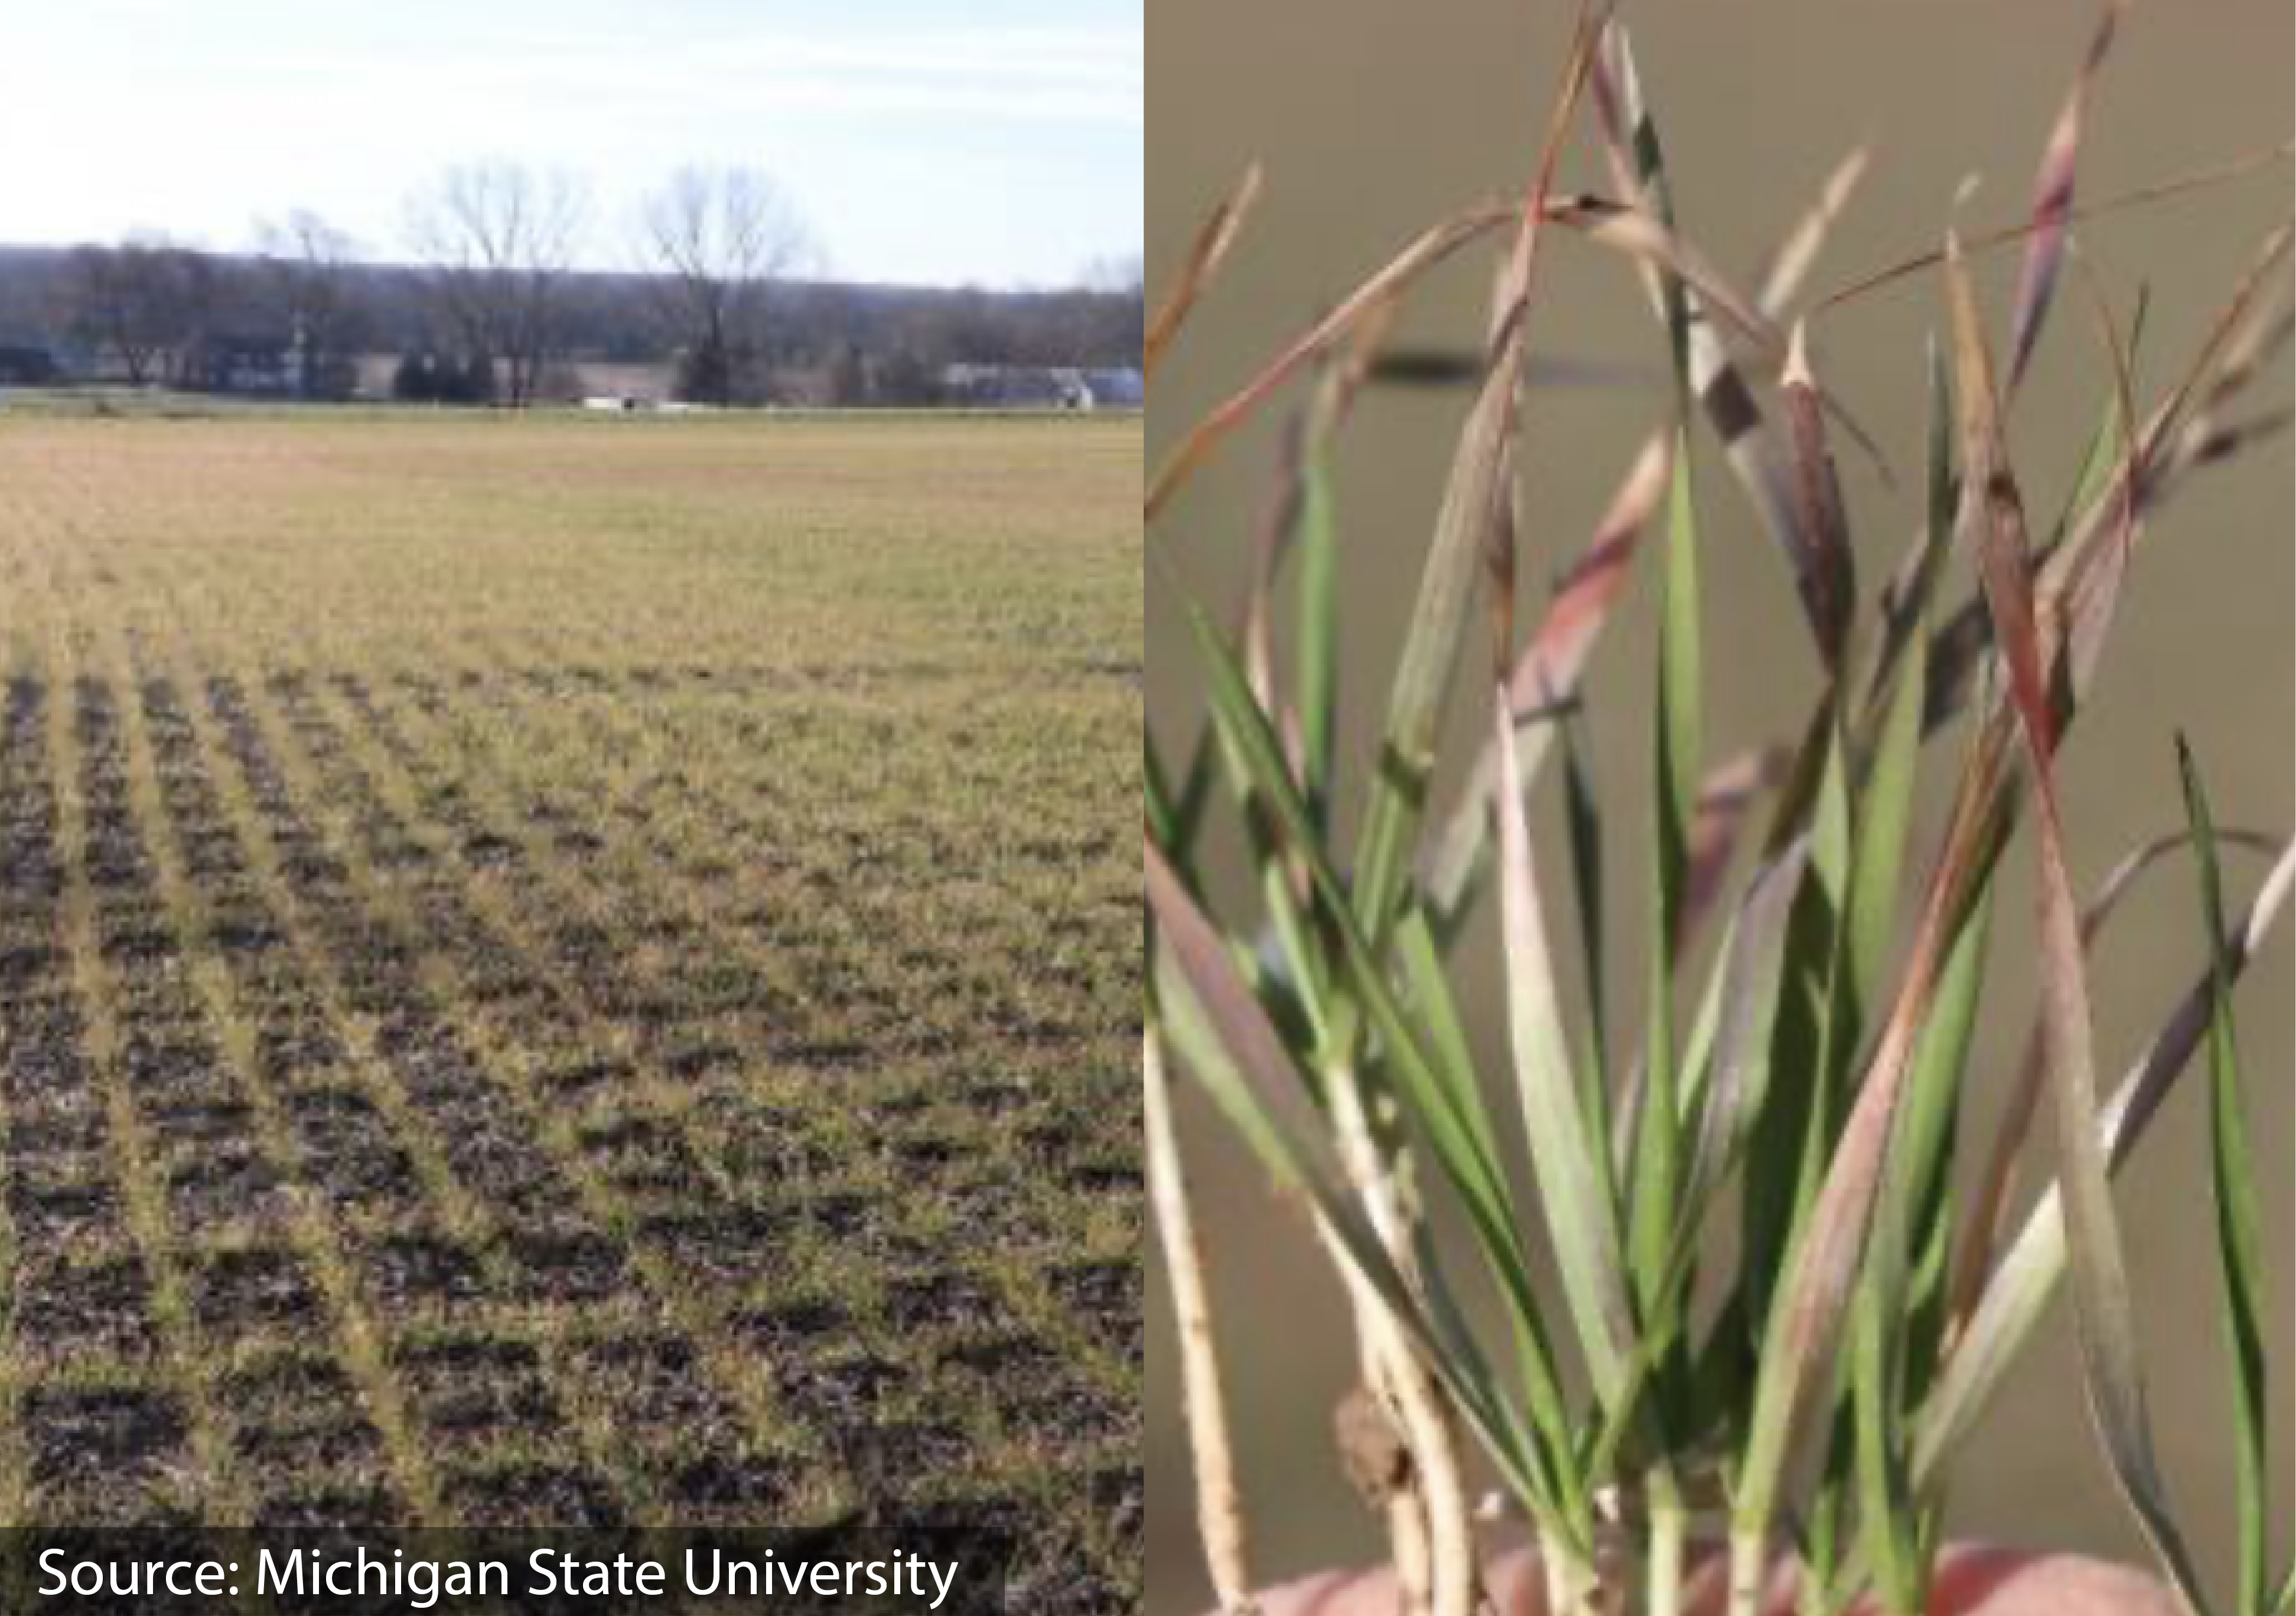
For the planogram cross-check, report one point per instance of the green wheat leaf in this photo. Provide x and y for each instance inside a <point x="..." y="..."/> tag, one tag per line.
<point x="2232" y="1179"/>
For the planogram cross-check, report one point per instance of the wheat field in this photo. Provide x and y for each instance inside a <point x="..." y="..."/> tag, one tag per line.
<point x="527" y="996"/>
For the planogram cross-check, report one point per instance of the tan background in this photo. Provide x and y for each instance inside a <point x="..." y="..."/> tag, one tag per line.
<point x="1372" y="118"/>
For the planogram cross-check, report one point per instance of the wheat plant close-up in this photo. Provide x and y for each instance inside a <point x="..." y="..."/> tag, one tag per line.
<point x="1700" y="1281"/>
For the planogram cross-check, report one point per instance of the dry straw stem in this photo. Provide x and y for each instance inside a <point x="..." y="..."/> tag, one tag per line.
<point x="1430" y="1511"/>
<point x="1220" y="1504"/>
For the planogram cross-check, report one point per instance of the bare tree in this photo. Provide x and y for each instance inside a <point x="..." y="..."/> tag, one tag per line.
<point x="500" y="239"/>
<point x="190" y="288"/>
<point x="105" y="308"/>
<point x="1107" y="322"/>
<point x="1119" y="274"/>
<point x="147" y="302"/>
<point x="308" y="268"/>
<point x="719" y="238"/>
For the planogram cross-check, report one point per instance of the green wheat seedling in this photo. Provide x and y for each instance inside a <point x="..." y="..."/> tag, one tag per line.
<point x="1775" y="1322"/>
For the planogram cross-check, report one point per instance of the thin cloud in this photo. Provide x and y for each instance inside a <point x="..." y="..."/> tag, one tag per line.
<point x="1093" y="76"/>
<point x="1032" y="119"/>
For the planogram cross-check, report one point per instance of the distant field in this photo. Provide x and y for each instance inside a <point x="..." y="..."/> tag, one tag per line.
<point x="576" y="969"/>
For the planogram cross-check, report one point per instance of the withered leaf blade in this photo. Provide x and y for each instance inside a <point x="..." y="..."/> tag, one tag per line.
<point x="2053" y="203"/>
<point x="1825" y="571"/>
<point x="1206" y="253"/>
<point x="2018" y="1292"/>
<point x="2104" y="1316"/>
<point x="1796" y="254"/>
<point x="1547" y="673"/>
<point x="2243" y="166"/>
<point x="1368" y="301"/>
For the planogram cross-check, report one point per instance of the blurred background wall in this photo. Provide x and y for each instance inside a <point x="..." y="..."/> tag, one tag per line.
<point x="1372" y="118"/>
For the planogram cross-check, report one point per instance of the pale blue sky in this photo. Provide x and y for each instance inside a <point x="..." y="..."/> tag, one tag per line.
<point x="990" y="141"/>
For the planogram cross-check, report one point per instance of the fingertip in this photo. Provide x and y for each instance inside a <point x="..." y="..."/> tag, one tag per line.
<point x="1511" y="1581"/>
<point x="1356" y="1593"/>
<point x="1985" y="1580"/>
<point x="1515" y="1585"/>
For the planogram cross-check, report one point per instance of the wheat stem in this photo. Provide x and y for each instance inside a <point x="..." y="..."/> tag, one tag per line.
<point x="1220" y="1504"/>
<point x="1669" y="1525"/>
<point x="1438" y="1473"/>
<point x="1750" y="1559"/>
<point x="1573" y="1588"/>
<point x="1407" y="1514"/>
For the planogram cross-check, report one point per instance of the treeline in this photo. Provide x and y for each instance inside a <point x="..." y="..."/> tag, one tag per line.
<point x="494" y="310"/>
